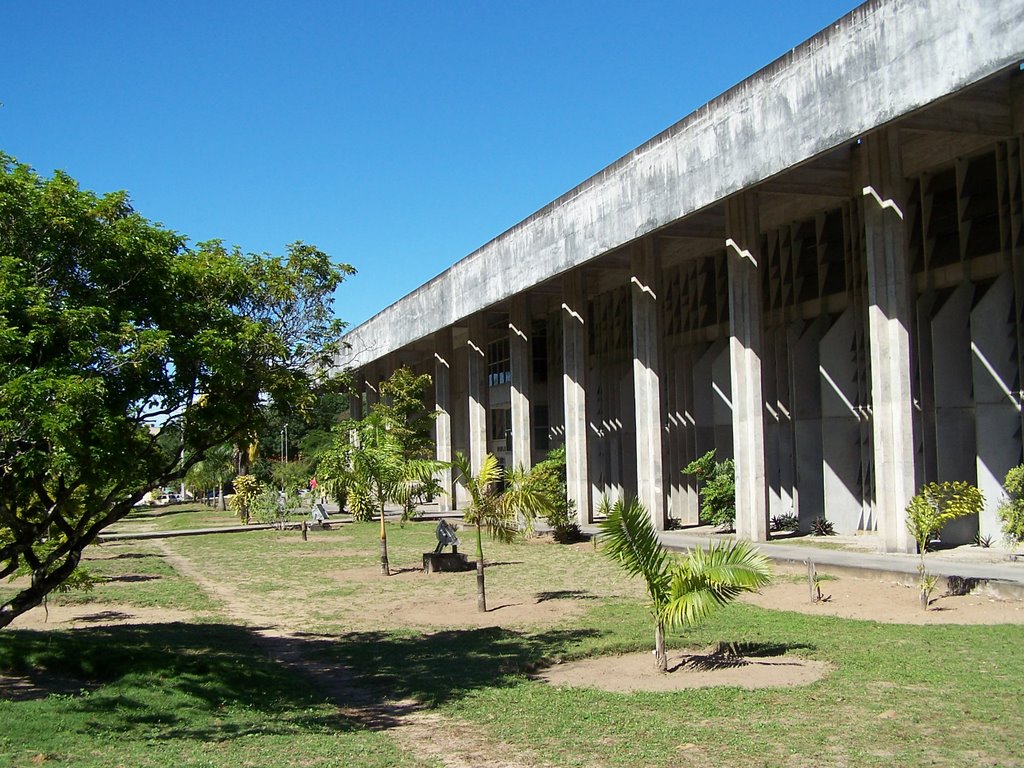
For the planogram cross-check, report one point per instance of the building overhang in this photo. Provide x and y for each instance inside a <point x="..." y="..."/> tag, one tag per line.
<point x="881" y="62"/>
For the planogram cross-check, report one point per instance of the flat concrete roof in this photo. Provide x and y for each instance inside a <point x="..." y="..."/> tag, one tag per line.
<point x="881" y="61"/>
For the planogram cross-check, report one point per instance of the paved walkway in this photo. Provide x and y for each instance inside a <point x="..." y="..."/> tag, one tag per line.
<point x="990" y="568"/>
<point x="993" y="569"/>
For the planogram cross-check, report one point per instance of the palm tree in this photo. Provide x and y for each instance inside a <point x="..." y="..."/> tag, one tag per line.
<point x="214" y="472"/>
<point x="683" y="591"/>
<point x="505" y="513"/>
<point x="368" y="459"/>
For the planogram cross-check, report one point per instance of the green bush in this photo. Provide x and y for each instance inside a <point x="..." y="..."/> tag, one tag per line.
<point x="717" y="481"/>
<point x="1011" y="510"/>
<point x="548" y="476"/>
<point x="937" y="504"/>
<point x="360" y="504"/>
<point x="247" y="488"/>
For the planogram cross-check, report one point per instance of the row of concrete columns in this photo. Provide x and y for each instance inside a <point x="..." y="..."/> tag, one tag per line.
<point x="888" y="320"/>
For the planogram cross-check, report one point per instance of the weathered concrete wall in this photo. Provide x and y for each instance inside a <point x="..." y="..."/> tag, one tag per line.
<point x="883" y="60"/>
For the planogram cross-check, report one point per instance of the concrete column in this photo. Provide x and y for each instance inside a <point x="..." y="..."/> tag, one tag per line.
<point x="997" y="403"/>
<point x="889" y="321"/>
<point x="743" y="245"/>
<point x="476" y="346"/>
<point x="443" y="359"/>
<point x="371" y="386"/>
<point x="355" y="398"/>
<point x="646" y="386"/>
<point x="519" y="351"/>
<point x="574" y="366"/>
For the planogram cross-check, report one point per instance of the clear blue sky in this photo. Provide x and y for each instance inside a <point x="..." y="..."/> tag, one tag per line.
<point x="396" y="136"/>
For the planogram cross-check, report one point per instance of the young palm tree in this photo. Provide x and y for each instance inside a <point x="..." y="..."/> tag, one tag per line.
<point x="503" y="513"/>
<point x="683" y="591"/>
<point x="369" y="459"/>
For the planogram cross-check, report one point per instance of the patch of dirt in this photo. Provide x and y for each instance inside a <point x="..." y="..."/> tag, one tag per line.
<point x="39" y="685"/>
<point x="881" y="600"/>
<point x="521" y="611"/>
<point x="96" y="615"/>
<point x="636" y="672"/>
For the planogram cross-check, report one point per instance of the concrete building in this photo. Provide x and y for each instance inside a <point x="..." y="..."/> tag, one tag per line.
<point x="820" y="274"/>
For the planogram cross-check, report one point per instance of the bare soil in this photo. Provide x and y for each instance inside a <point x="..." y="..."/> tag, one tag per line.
<point x="870" y="599"/>
<point x="636" y="672"/>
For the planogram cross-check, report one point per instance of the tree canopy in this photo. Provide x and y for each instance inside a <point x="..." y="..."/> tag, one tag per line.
<point x="125" y="354"/>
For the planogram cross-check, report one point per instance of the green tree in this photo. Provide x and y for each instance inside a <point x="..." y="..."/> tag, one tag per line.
<point x="937" y="504"/>
<point x="109" y="325"/>
<point x="368" y="462"/>
<point x="927" y="514"/>
<point x="550" y="475"/>
<point x="403" y="405"/>
<point x="1011" y="509"/>
<point x="504" y="509"/>
<point x="717" y="489"/>
<point x="214" y="471"/>
<point x="247" y="489"/>
<point x="683" y="591"/>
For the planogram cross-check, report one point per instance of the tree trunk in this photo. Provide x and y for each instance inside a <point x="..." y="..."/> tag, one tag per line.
<point x="481" y="593"/>
<point x="384" y="569"/>
<point x="660" y="658"/>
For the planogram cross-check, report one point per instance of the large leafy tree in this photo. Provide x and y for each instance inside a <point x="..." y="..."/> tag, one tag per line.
<point x="683" y="591"/>
<point x="111" y="326"/>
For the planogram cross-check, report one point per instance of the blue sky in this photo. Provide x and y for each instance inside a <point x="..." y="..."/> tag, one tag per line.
<point x="396" y="136"/>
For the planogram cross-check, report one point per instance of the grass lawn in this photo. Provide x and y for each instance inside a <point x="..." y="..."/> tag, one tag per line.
<point x="201" y="695"/>
<point x="172" y="695"/>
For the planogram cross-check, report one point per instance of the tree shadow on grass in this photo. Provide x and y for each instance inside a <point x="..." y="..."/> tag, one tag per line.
<point x="439" y="667"/>
<point x="162" y="681"/>
<point x="175" y="680"/>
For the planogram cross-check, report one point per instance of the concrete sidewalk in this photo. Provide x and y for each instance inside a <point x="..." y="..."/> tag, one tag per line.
<point x="969" y="568"/>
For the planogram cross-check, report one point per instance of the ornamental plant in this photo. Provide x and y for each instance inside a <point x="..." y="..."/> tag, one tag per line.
<point x="683" y="591"/>
<point x="1011" y="509"/>
<point x="927" y="514"/>
<point x="717" y="483"/>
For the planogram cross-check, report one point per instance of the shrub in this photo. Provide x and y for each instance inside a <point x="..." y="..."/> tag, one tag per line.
<point x="937" y="504"/>
<point x="360" y="504"/>
<point x="717" y="481"/>
<point x="786" y="522"/>
<point x="1011" y="510"/>
<point x="549" y="477"/>
<point x="247" y="488"/>
<point x="822" y="527"/>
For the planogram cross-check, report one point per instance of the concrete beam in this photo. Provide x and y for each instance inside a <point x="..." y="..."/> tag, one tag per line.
<point x="883" y="60"/>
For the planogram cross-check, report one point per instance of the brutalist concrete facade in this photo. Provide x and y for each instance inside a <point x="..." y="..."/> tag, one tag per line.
<point x="819" y="274"/>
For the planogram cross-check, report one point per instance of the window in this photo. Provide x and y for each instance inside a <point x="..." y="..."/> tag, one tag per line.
<point x="541" y="440"/>
<point x="499" y="366"/>
<point x="501" y="426"/>
<point x="539" y="351"/>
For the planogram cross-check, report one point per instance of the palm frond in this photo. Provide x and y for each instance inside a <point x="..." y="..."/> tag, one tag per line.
<point x="526" y="497"/>
<point x="629" y="536"/>
<point x="706" y="580"/>
<point x="502" y="527"/>
<point x="490" y="471"/>
<point x="477" y="485"/>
